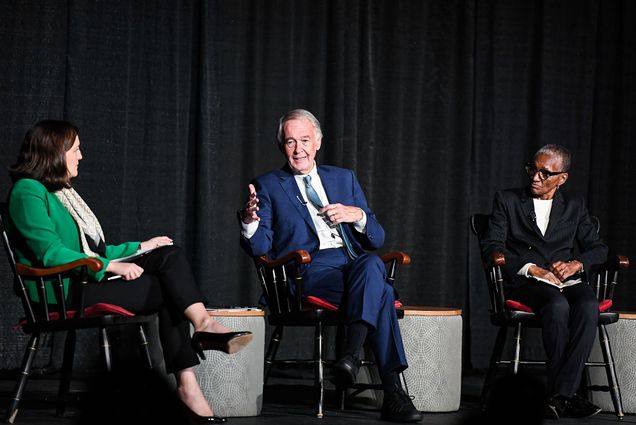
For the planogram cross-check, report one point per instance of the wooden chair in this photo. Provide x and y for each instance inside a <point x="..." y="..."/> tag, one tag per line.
<point x="53" y="315"/>
<point x="506" y="313"/>
<point x="286" y="310"/>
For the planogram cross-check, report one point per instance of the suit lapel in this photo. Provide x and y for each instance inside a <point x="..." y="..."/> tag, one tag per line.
<point x="330" y="184"/>
<point x="289" y="186"/>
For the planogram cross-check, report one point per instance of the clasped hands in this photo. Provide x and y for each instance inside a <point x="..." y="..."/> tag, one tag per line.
<point x="333" y="213"/>
<point x="131" y="271"/>
<point x="559" y="271"/>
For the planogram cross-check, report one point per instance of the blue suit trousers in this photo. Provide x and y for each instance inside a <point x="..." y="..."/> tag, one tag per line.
<point x="361" y="288"/>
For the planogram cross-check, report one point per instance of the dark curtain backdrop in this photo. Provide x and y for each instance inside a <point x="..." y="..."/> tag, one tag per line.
<point x="435" y="105"/>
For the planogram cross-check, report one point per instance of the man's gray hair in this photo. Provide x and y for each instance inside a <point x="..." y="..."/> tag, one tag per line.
<point x="557" y="150"/>
<point x="294" y="115"/>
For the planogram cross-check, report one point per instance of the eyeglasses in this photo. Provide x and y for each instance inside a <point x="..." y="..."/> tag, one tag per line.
<point x="543" y="174"/>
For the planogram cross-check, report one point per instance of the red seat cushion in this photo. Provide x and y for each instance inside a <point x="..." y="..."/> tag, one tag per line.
<point x="319" y="302"/>
<point x="312" y="301"/>
<point x="604" y="305"/>
<point x="516" y="305"/>
<point x="98" y="309"/>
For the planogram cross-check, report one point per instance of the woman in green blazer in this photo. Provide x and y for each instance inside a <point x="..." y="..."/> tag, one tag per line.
<point x="49" y="224"/>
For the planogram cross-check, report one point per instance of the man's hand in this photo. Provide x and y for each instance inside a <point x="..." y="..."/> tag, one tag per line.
<point x="338" y="213"/>
<point x="248" y="213"/>
<point x="563" y="270"/>
<point x="537" y="271"/>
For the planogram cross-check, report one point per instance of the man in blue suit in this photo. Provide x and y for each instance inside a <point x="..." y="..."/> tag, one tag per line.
<point x="323" y="210"/>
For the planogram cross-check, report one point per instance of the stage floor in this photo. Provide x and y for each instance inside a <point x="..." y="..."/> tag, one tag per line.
<point x="284" y="403"/>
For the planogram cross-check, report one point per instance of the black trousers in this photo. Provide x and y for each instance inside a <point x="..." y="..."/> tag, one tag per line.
<point x="166" y="287"/>
<point x="569" y="320"/>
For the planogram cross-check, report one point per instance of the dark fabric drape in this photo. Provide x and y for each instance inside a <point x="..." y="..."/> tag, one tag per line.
<point x="435" y="105"/>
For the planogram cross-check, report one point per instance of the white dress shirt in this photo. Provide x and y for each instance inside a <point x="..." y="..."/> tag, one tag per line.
<point x="542" y="208"/>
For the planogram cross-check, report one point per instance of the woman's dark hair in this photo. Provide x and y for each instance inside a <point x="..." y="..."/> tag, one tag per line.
<point x="42" y="155"/>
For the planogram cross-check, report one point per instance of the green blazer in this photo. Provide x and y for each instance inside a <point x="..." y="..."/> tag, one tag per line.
<point x="43" y="233"/>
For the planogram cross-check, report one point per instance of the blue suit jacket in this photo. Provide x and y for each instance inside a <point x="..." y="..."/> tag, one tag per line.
<point x="285" y="223"/>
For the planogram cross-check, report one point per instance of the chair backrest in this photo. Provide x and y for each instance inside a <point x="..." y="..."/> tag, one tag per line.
<point x="275" y="277"/>
<point x="41" y="310"/>
<point x="7" y="245"/>
<point x="18" y="284"/>
<point x="492" y="267"/>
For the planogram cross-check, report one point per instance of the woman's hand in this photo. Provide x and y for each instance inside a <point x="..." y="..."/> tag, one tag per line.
<point x="128" y="271"/>
<point x="155" y="242"/>
<point x="537" y="271"/>
<point x="564" y="270"/>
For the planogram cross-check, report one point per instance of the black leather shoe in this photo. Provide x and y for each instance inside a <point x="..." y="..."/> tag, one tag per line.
<point x="398" y="407"/>
<point x="346" y="370"/>
<point x="557" y="407"/>
<point x="229" y="342"/>
<point x="581" y="407"/>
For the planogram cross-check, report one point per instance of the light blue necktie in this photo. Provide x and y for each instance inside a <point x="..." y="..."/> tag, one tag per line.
<point x="315" y="199"/>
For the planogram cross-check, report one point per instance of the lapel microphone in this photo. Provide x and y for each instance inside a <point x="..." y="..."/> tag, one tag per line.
<point x="532" y="216"/>
<point x="301" y="200"/>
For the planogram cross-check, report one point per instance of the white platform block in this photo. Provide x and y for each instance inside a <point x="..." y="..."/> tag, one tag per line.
<point x="622" y="337"/>
<point x="233" y="383"/>
<point x="433" y="343"/>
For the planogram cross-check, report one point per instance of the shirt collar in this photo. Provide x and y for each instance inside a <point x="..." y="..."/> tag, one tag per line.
<point x="313" y="173"/>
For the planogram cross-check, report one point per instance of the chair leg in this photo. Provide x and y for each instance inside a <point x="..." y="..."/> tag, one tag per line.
<point x="27" y="363"/>
<point x="495" y="358"/>
<point x="272" y="348"/>
<point x="104" y="344"/>
<point x="319" y="382"/>
<point x="144" y="346"/>
<point x="517" y="358"/>
<point x="67" y="371"/>
<point x="612" y="379"/>
<point x="341" y="391"/>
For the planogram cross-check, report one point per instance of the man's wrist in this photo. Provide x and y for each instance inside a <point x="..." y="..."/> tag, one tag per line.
<point x="240" y="213"/>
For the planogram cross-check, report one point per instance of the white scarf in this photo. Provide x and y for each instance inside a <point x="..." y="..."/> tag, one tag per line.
<point x="85" y="218"/>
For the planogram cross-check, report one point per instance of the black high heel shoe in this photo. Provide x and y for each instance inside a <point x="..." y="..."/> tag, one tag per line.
<point x="228" y="342"/>
<point x="194" y="418"/>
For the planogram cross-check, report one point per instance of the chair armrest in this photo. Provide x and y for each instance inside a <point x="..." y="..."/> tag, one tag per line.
<point x="94" y="264"/>
<point x="299" y="256"/>
<point x="613" y="263"/>
<point x="402" y="258"/>
<point x="497" y="259"/>
<point x="621" y="262"/>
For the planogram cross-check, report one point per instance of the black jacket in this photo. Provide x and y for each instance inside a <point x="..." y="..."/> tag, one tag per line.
<point x="512" y="229"/>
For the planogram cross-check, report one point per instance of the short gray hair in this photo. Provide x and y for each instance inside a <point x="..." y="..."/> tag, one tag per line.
<point x="557" y="150"/>
<point x="294" y="115"/>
